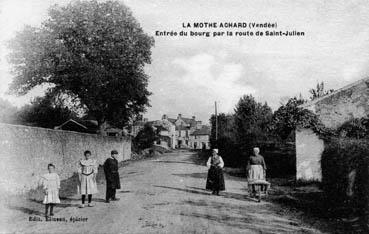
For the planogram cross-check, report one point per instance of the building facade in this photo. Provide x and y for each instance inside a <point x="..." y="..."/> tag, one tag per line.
<point x="177" y="133"/>
<point x="200" y="138"/>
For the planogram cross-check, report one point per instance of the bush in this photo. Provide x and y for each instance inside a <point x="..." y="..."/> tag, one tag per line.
<point x="339" y="158"/>
<point x="145" y="138"/>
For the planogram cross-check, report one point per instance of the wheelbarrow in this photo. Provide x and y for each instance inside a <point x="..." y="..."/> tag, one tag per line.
<point x="258" y="188"/>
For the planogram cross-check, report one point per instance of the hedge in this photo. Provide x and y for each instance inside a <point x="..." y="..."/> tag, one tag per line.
<point x="339" y="158"/>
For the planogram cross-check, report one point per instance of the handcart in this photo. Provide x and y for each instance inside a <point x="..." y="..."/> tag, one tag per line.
<point x="258" y="188"/>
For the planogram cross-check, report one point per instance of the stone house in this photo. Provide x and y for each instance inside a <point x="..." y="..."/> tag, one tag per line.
<point x="184" y="127"/>
<point x="200" y="138"/>
<point x="340" y="106"/>
<point x="166" y="132"/>
<point x="173" y="133"/>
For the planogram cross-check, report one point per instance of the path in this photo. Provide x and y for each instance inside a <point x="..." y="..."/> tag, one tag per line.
<point x="166" y="195"/>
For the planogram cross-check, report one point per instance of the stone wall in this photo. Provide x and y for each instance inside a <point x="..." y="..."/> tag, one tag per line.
<point x="309" y="149"/>
<point x="333" y="110"/>
<point x="345" y="104"/>
<point x="26" y="151"/>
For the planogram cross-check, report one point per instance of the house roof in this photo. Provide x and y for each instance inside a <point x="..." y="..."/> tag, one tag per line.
<point x="313" y="102"/>
<point x="205" y="130"/>
<point x="172" y="120"/>
<point x="69" y="122"/>
<point x="89" y="126"/>
<point x="182" y="127"/>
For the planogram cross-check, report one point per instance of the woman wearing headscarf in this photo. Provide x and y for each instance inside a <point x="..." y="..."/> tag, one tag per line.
<point x="256" y="168"/>
<point x="215" y="180"/>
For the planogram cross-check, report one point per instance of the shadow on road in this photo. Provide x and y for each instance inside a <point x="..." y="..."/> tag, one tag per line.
<point x="169" y="161"/>
<point x="182" y="190"/>
<point x="230" y="195"/>
<point x="193" y="175"/>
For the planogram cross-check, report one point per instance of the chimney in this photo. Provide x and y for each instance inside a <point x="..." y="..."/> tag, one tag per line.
<point x="179" y="116"/>
<point x="193" y="117"/>
<point x="164" y="117"/>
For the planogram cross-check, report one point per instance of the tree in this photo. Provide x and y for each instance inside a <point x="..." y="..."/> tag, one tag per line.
<point x="319" y="91"/>
<point x="94" y="52"/>
<point x="145" y="138"/>
<point x="226" y="128"/>
<point x="290" y="116"/>
<point x="252" y="120"/>
<point x="45" y="112"/>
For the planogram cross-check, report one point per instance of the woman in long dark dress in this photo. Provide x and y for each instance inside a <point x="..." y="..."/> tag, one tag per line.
<point x="215" y="180"/>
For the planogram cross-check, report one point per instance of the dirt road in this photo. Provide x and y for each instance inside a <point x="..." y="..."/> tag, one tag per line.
<point x="165" y="195"/>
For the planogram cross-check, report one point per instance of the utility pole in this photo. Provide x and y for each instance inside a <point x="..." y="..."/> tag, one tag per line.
<point x="216" y="122"/>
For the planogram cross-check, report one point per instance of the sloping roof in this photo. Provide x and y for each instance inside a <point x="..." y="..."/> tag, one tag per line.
<point x="205" y="130"/>
<point x="70" y="121"/>
<point x="88" y="126"/>
<point x="181" y="127"/>
<point x="313" y="102"/>
<point x="172" y="120"/>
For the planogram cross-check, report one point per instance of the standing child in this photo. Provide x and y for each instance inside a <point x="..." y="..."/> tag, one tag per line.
<point x="87" y="171"/>
<point x="51" y="186"/>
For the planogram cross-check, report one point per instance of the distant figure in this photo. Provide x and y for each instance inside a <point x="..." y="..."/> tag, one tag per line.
<point x="87" y="171"/>
<point x="215" y="180"/>
<point x="51" y="185"/>
<point x="256" y="168"/>
<point x="112" y="177"/>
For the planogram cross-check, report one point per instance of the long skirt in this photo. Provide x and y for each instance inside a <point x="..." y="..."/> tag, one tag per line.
<point x="256" y="172"/>
<point x="87" y="185"/>
<point x="215" y="180"/>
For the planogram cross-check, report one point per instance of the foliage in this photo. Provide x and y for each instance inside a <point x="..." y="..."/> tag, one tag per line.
<point x="340" y="157"/>
<point x="93" y="51"/>
<point x="145" y="138"/>
<point x="356" y="128"/>
<point x="319" y="91"/>
<point x="290" y="116"/>
<point x="252" y="121"/>
<point x="226" y="127"/>
<point x="45" y="112"/>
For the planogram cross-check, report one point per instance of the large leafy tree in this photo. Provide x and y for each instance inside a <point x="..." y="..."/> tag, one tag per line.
<point x="252" y="121"/>
<point x="94" y="52"/>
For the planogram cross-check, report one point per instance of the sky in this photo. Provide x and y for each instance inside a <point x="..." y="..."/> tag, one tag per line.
<point x="188" y="74"/>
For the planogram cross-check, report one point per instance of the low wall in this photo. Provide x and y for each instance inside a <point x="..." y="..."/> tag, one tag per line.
<point x="309" y="148"/>
<point x="26" y="151"/>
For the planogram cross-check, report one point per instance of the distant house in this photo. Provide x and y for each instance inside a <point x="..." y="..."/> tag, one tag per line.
<point x="166" y="132"/>
<point x="200" y="138"/>
<point x="334" y="109"/>
<point x="174" y="133"/>
<point x="184" y="127"/>
<point x="137" y="126"/>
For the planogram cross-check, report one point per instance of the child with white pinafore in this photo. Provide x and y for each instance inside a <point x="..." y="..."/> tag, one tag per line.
<point x="51" y="185"/>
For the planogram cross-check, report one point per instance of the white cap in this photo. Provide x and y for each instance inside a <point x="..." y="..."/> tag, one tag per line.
<point x="216" y="150"/>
